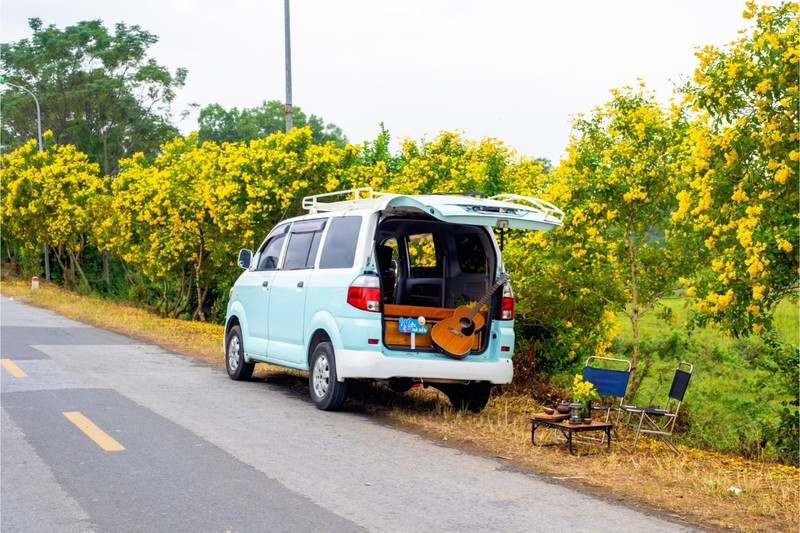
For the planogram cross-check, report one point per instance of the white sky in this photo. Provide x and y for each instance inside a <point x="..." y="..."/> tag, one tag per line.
<point x="516" y="70"/>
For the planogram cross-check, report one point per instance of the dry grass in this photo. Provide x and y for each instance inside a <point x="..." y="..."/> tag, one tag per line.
<point x="693" y="487"/>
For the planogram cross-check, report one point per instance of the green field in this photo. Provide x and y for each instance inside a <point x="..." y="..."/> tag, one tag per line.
<point x="740" y="386"/>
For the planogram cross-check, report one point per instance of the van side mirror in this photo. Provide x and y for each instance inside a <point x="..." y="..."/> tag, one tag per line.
<point x="245" y="257"/>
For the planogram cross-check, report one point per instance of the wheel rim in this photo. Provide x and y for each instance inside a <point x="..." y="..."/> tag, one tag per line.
<point x="233" y="353"/>
<point x="322" y="374"/>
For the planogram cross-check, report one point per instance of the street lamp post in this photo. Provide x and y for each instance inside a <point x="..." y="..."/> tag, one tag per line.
<point x="38" y="109"/>
<point x="288" y="50"/>
<point x="41" y="147"/>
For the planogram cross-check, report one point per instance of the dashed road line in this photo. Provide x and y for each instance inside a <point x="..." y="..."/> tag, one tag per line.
<point x="13" y="369"/>
<point x="100" y="437"/>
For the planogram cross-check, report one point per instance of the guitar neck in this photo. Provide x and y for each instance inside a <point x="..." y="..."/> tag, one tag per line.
<point x="485" y="298"/>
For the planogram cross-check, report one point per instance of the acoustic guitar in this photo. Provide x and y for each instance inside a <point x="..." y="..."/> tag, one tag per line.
<point x="454" y="336"/>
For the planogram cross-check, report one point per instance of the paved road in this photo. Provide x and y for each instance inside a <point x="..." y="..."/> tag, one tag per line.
<point x="105" y="434"/>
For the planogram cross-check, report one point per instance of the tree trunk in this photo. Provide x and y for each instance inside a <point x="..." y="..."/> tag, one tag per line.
<point x="106" y="275"/>
<point x="69" y="281"/>
<point x="182" y="301"/>
<point x="75" y="264"/>
<point x="634" y="315"/>
<point x="200" y="294"/>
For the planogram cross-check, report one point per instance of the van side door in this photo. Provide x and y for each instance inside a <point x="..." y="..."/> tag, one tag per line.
<point x="254" y="289"/>
<point x="288" y="292"/>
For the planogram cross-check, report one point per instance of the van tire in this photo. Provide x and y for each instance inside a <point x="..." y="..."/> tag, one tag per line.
<point x="472" y="397"/>
<point x="327" y="393"/>
<point x="236" y="365"/>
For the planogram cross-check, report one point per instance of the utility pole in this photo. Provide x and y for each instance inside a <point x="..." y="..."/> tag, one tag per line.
<point x="288" y="106"/>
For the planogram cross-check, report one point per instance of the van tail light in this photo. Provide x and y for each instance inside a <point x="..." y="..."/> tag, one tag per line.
<point x="507" y="304"/>
<point x="365" y="293"/>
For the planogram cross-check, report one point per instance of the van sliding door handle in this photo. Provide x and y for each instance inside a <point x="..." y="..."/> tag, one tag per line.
<point x="264" y="284"/>
<point x="300" y="284"/>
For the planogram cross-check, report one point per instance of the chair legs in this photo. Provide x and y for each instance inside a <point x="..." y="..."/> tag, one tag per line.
<point x="647" y="424"/>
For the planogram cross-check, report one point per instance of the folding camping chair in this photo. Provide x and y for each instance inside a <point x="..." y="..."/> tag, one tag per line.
<point x="610" y="379"/>
<point x="660" y="422"/>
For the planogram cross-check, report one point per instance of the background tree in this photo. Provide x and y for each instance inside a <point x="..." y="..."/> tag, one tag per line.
<point x="220" y="125"/>
<point x="742" y="203"/>
<point x="98" y="90"/>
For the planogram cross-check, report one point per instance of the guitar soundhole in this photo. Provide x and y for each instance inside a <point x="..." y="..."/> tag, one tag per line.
<point x="464" y="322"/>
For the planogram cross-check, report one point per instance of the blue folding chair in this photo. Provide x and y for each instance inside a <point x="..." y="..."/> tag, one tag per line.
<point x="660" y="422"/>
<point x="610" y="378"/>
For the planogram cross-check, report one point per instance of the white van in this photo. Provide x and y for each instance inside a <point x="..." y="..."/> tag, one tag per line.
<point x="400" y="288"/>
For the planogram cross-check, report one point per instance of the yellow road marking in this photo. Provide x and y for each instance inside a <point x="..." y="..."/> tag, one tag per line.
<point x="13" y="369"/>
<point x="100" y="437"/>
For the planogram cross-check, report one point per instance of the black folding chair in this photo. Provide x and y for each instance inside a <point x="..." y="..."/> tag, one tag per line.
<point x="659" y="422"/>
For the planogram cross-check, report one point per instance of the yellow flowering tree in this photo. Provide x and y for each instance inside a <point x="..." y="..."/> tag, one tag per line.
<point x="453" y="163"/>
<point x="182" y="218"/>
<point x="51" y="197"/>
<point x="741" y="205"/>
<point x="617" y="187"/>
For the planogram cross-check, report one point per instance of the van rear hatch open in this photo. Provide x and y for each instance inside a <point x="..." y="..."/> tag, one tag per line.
<point x="502" y="211"/>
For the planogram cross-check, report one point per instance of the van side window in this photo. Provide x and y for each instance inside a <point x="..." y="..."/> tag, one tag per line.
<point x="339" y="250"/>
<point x="301" y="252"/>
<point x="271" y="249"/>
<point x="471" y="254"/>
<point x="422" y="256"/>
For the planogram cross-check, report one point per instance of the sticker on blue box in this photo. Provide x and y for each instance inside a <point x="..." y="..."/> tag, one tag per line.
<point x="412" y="325"/>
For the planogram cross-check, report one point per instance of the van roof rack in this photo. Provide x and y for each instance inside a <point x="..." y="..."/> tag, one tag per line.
<point x="333" y="201"/>
<point x="365" y="197"/>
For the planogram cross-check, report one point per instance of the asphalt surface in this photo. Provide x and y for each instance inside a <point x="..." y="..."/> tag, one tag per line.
<point x="202" y="453"/>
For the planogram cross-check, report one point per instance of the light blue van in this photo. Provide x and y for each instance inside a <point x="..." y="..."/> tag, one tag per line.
<point x="403" y="289"/>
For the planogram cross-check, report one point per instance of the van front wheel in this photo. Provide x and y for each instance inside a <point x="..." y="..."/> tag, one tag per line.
<point x="327" y="393"/>
<point x="236" y="365"/>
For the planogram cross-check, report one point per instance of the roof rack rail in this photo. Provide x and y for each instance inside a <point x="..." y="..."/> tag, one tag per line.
<point x="471" y="194"/>
<point x="544" y="207"/>
<point x="328" y="201"/>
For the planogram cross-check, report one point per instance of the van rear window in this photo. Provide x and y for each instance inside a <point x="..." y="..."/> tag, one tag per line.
<point x="339" y="250"/>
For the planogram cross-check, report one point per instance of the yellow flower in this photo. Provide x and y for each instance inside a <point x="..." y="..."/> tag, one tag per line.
<point x="739" y="195"/>
<point x="636" y="193"/>
<point x="758" y="292"/>
<point x="583" y="391"/>
<point x="785" y="245"/>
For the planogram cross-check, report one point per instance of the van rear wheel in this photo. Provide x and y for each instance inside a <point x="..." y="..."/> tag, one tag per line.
<point x="327" y="392"/>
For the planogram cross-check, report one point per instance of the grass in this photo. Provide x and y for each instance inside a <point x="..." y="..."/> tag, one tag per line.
<point x="708" y="489"/>
<point x="736" y="397"/>
<point x="787" y="321"/>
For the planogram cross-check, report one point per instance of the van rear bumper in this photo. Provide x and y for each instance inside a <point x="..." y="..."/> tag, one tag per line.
<point x="374" y="365"/>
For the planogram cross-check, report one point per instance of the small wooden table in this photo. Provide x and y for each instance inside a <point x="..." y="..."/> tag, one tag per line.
<point x="559" y="422"/>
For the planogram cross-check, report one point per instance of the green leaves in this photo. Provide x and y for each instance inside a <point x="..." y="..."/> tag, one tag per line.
<point x="220" y="125"/>
<point x="98" y="90"/>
